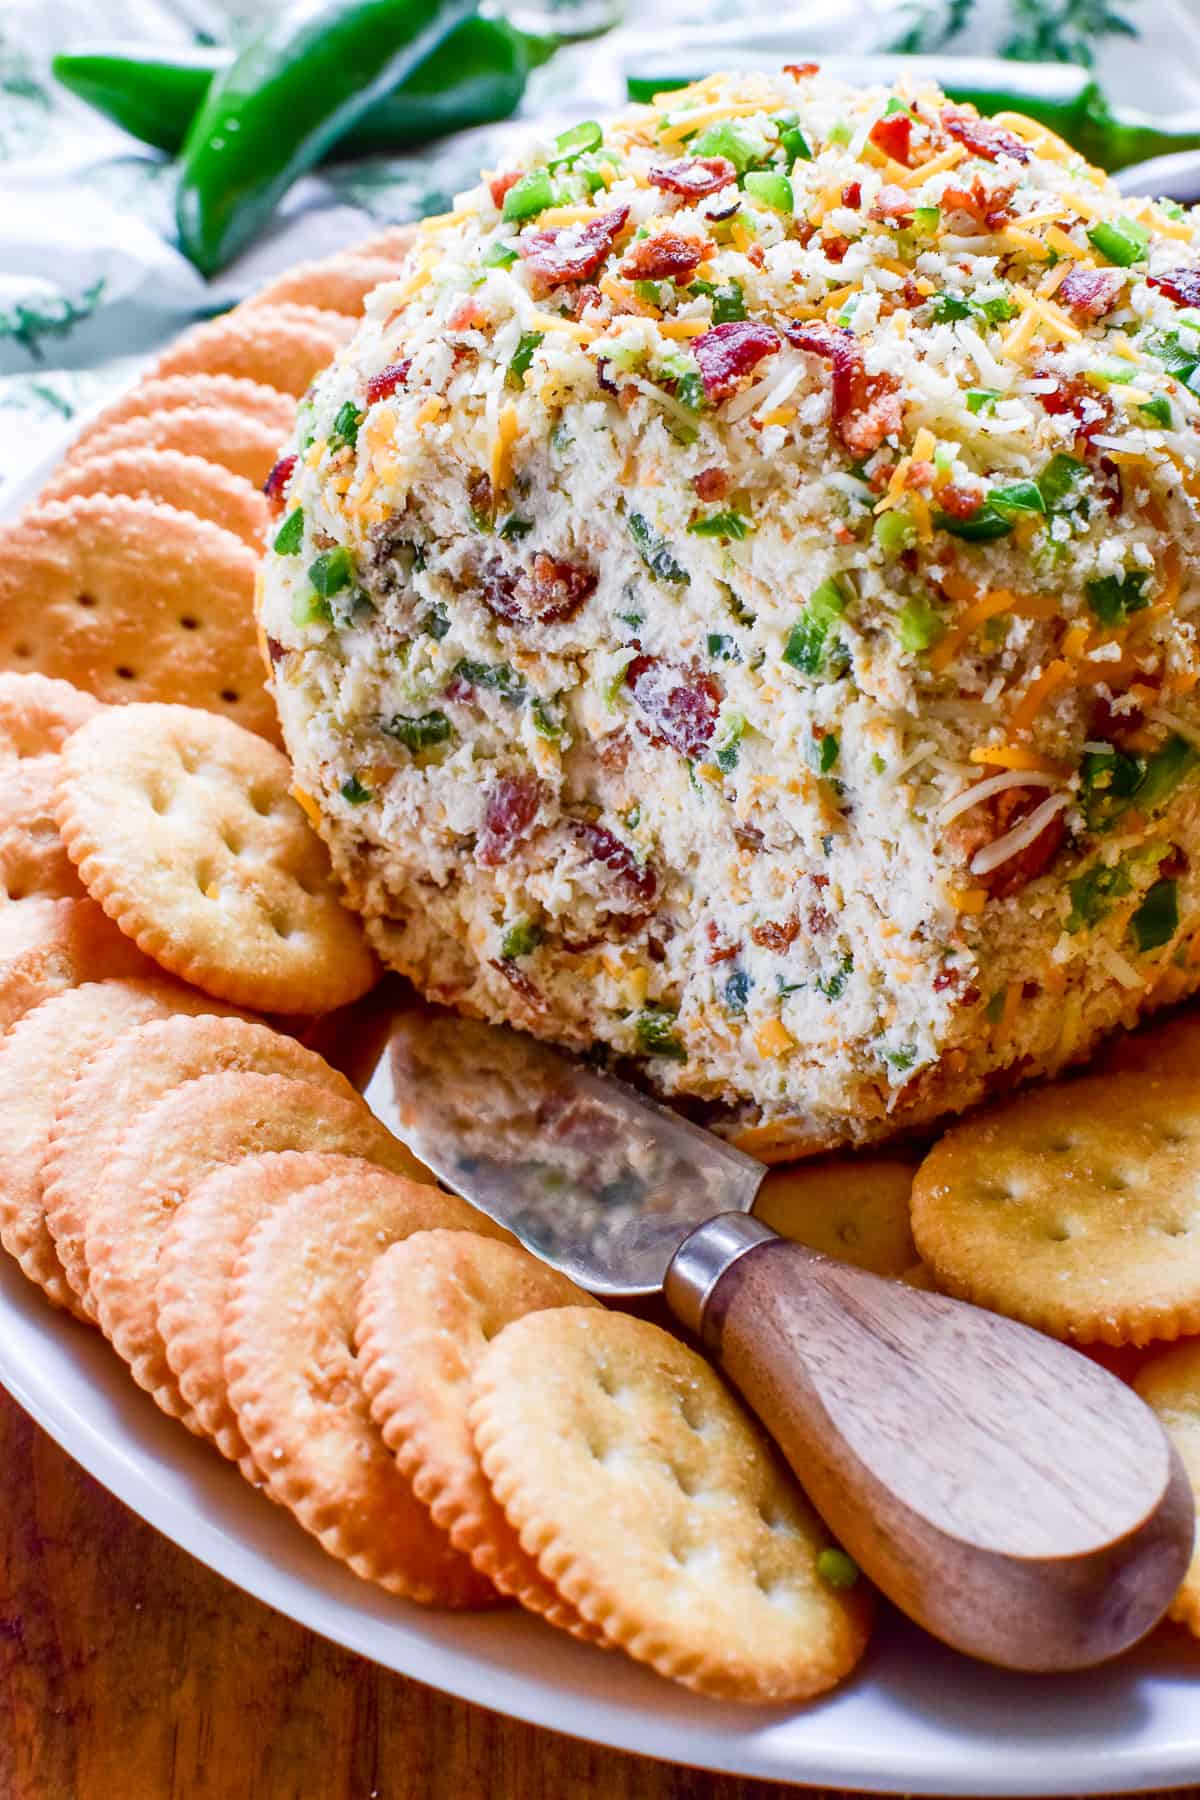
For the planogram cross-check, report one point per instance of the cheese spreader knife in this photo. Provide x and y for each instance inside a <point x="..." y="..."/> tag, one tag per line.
<point x="1002" y="1489"/>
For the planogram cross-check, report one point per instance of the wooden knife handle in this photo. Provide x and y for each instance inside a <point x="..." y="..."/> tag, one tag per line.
<point x="1003" y="1490"/>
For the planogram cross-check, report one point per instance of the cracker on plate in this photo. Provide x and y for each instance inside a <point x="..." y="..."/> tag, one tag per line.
<point x="48" y="945"/>
<point x="853" y="1207"/>
<point x="337" y="283"/>
<point x="1169" y="1383"/>
<point x="258" y="400"/>
<point x="281" y="346"/>
<point x="189" y="483"/>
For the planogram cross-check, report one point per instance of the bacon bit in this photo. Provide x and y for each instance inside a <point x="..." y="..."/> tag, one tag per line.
<point x="1180" y="285"/>
<point x="681" y="713"/>
<point x="982" y="136"/>
<point x="545" y="593"/>
<point x="509" y="814"/>
<point x="721" y="951"/>
<point x="748" y="837"/>
<point x="694" y="176"/>
<point x="1093" y="292"/>
<point x="277" y="480"/>
<point x="894" y="136"/>
<point x="819" y="921"/>
<point x="993" y="819"/>
<point x="1114" y="493"/>
<point x="498" y="185"/>
<point x="800" y="70"/>
<point x="612" y="752"/>
<point x="776" y="937"/>
<point x="989" y="207"/>
<point x="711" y="484"/>
<point x="468" y="315"/>
<point x="852" y="194"/>
<point x="571" y="253"/>
<point x="866" y="408"/>
<point x="383" y="385"/>
<point x="520" y="983"/>
<point x="756" y="256"/>
<point x="893" y="202"/>
<point x="479" y="494"/>
<point x="947" y="979"/>
<point x="1073" y="396"/>
<point x="835" y="247"/>
<point x="275" y="651"/>
<point x="960" y="502"/>
<point x="608" y="850"/>
<point x="667" y="256"/>
<point x="919" y="475"/>
<point x="729" y="351"/>
<point x="603" y="378"/>
<point x="586" y="298"/>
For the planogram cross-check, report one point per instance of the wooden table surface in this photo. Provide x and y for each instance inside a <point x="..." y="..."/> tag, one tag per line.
<point x="130" y="1672"/>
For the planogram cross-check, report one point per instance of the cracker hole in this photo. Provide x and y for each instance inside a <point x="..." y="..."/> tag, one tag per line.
<point x="1117" y="1182"/>
<point x="280" y="925"/>
<point x="189" y="622"/>
<point x="605" y="1382"/>
<point x="85" y="600"/>
<point x="1062" y="1146"/>
<point x="263" y="803"/>
<point x="683" y="1481"/>
<point x="692" y="1411"/>
<point x="1177" y="1230"/>
<point x="123" y="672"/>
<point x="230" y="696"/>
<point x="24" y="651"/>
<point x="231" y="840"/>
<point x="1058" y="1234"/>
<point x="204" y="878"/>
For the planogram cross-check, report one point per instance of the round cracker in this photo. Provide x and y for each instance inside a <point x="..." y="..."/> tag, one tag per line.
<point x="196" y="1264"/>
<point x="428" y="1310"/>
<point x="656" y="1505"/>
<point x="48" y="945"/>
<point x="853" y="1208"/>
<point x="284" y="346"/>
<point x="255" y="400"/>
<point x="198" y="1127"/>
<point x="293" y="1382"/>
<point x="1073" y="1208"/>
<point x="1169" y="1383"/>
<point x="189" y="483"/>
<point x="336" y="284"/>
<point x="393" y="243"/>
<point x="135" y="1072"/>
<point x="1166" y="1047"/>
<point x="33" y="857"/>
<point x="133" y="600"/>
<point x="183" y="827"/>
<point x="39" y="1059"/>
<point x="38" y="715"/>
<point x="238" y="442"/>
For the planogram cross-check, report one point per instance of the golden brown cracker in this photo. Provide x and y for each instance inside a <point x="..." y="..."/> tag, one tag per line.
<point x="337" y="283"/>
<point x="285" y="347"/>
<point x="48" y="945"/>
<point x="428" y="1310"/>
<point x="196" y="1128"/>
<point x="33" y="857"/>
<point x="188" y="483"/>
<point x="273" y="409"/>
<point x="238" y="442"/>
<point x="293" y="1381"/>
<point x="853" y="1207"/>
<point x="1075" y="1208"/>
<point x="657" y="1507"/>
<point x="1166" y="1047"/>
<point x="39" y="1059"/>
<point x="38" y="715"/>
<point x="183" y="827"/>
<point x="1170" y="1384"/>
<point x="136" y="1071"/>
<point x="199" y="1253"/>
<point x="133" y="600"/>
<point x="393" y="243"/>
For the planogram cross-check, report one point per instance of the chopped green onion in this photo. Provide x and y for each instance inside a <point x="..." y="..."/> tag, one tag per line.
<point x="656" y="293"/>
<point x="737" y="991"/>
<point x="1158" y="410"/>
<point x="514" y="528"/>
<point x="918" y="625"/>
<point x="529" y="196"/>
<point x="926" y="220"/>
<point x="723" y="647"/>
<point x="290" y="535"/>
<point x="840" y="133"/>
<point x="792" y="141"/>
<point x="1093" y="892"/>
<point x="437" y="621"/>
<point x="655" y="552"/>
<point x="1172" y="208"/>
<point x="332" y="571"/>
<point x="733" y="729"/>
<point x="353" y="790"/>
<point x="1060" y="482"/>
<point x="499" y="256"/>
<point x="983" y="400"/>
<point x="985" y="523"/>
<point x="901" y="1058"/>
<point x="654" y="1031"/>
<point x="1114" y="597"/>
<point x="1164" y="770"/>
<point x="834" y="986"/>
<point x="947" y="307"/>
<point x="827" y="752"/>
<point x="311" y="609"/>
<point x="805" y="648"/>
<point x="1108" y="373"/>
<point x="735" y="143"/>
<point x="576" y="142"/>
<point x="894" y="531"/>
<point x="345" y="427"/>
<point x="420" y="732"/>
<point x="500" y="676"/>
<point x="721" y="525"/>
<point x="728" y="301"/>
<point x="1017" y="497"/>
<point x="1122" y="241"/>
<point x="520" y="939"/>
<point x="773" y="190"/>
<point x="1157" y="919"/>
<point x="522" y="357"/>
<point x="544" y="721"/>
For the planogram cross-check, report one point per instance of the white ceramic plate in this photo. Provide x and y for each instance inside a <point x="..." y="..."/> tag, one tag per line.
<point x="916" y="1718"/>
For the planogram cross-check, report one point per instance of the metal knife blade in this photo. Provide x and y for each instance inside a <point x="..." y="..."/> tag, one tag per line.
<point x="588" y="1173"/>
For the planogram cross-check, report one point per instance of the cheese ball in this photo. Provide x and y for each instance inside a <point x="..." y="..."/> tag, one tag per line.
<point x="734" y="603"/>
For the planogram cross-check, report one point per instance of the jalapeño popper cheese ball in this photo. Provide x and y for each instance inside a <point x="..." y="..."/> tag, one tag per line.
<point x="735" y="601"/>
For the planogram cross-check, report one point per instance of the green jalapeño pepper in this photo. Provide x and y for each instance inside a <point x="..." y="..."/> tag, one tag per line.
<point x="287" y="97"/>
<point x="475" y="76"/>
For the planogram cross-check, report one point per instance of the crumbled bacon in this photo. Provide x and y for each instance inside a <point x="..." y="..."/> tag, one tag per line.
<point x="852" y="194"/>
<point x="983" y="137"/>
<point x="729" y="351"/>
<point x="1180" y="285"/>
<point x="381" y="386"/>
<point x="612" y="752"/>
<point x="604" y="847"/>
<point x="509" y="813"/>
<point x="819" y="921"/>
<point x="1093" y="292"/>
<point x="680" y="711"/>
<point x="893" y="202"/>
<point x="835" y="247"/>
<point x="667" y="256"/>
<point x="711" y="484"/>
<point x="588" y="296"/>
<point x="799" y="70"/>
<point x="960" y="502"/>
<point x="694" y="176"/>
<point x="571" y="253"/>
<point x="1074" y="396"/>
<point x="519" y="982"/>
<point x="498" y="185"/>
<point x="275" y="651"/>
<point x="721" y="949"/>
<point x="991" y="820"/>
<point x="988" y="206"/>
<point x="276" y="483"/>
<point x="545" y="593"/>
<point x="893" y="136"/>
<point x="776" y="936"/>
<point x="866" y="408"/>
<point x="467" y="315"/>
